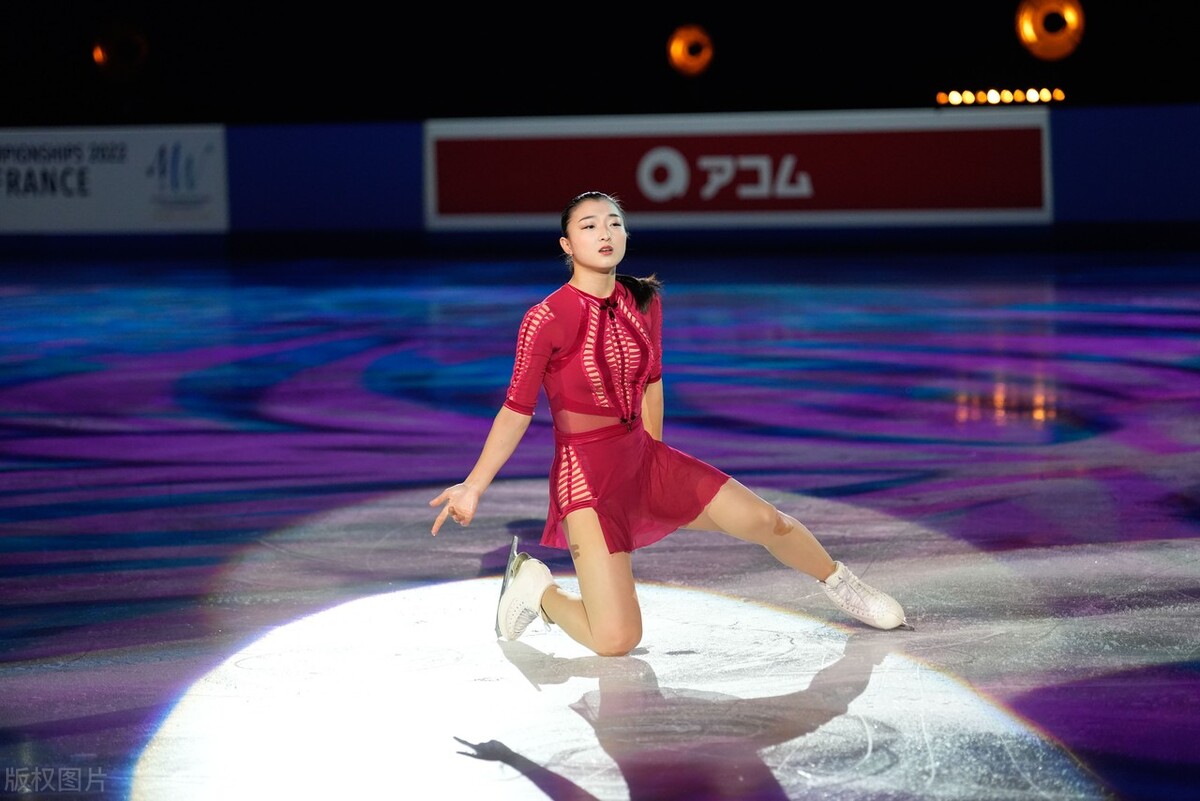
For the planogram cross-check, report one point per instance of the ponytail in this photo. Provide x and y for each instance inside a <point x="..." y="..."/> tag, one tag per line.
<point x="643" y="289"/>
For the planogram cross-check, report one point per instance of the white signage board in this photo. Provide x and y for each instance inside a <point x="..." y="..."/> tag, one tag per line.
<point x="146" y="180"/>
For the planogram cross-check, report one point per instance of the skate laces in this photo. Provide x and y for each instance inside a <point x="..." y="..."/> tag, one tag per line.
<point x="854" y="593"/>
<point x="519" y="618"/>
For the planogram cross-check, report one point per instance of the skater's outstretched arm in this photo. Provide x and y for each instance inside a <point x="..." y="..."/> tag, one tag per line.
<point x="461" y="500"/>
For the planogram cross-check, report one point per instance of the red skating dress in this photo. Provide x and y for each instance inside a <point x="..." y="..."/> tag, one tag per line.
<point x="594" y="357"/>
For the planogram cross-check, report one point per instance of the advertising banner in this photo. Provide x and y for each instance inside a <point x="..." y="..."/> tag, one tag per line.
<point x="858" y="168"/>
<point x="113" y="181"/>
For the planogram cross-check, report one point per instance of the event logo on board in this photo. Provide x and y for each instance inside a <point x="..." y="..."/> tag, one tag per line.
<point x="773" y="170"/>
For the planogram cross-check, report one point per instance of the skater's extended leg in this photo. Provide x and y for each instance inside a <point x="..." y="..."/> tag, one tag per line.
<point x="741" y="513"/>
<point x="737" y="511"/>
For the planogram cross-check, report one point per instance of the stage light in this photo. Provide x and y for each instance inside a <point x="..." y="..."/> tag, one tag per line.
<point x="1050" y="29"/>
<point x="119" y="51"/>
<point x="689" y="50"/>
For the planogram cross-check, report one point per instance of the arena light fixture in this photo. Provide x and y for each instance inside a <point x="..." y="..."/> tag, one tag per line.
<point x="689" y="50"/>
<point x="119" y="50"/>
<point x="1050" y="29"/>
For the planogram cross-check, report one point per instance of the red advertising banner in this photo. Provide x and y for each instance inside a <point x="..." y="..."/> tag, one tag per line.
<point x="745" y="170"/>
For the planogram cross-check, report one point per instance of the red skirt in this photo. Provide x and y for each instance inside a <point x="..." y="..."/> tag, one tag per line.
<point x="641" y="488"/>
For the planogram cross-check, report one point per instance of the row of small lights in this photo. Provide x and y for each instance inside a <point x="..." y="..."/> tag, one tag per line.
<point x="996" y="97"/>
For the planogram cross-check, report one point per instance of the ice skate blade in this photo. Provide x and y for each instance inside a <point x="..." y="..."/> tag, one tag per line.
<point x="510" y="570"/>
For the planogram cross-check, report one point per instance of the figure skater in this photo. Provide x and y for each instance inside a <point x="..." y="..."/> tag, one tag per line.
<point x="595" y="346"/>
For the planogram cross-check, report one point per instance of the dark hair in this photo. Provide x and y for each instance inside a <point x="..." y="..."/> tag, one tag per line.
<point x="565" y="220"/>
<point x="643" y="289"/>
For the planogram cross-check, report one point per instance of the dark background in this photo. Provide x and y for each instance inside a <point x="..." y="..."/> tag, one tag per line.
<point x="357" y="62"/>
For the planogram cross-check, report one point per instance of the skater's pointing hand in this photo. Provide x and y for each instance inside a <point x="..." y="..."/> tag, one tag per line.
<point x="460" y="503"/>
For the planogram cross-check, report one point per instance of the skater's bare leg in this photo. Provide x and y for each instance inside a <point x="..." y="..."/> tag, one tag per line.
<point x="741" y="513"/>
<point x="738" y="511"/>
<point x="605" y="616"/>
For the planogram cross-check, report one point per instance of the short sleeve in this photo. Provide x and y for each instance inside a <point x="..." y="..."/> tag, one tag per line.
<point x="535" y="346"/>
<point x="654" y="322"/>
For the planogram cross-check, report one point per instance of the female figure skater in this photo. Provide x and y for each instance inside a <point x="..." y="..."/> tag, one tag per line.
<point x="595" y="346"/>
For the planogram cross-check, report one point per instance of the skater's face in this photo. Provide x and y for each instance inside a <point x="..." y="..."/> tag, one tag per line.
<point x="595" y="237"/>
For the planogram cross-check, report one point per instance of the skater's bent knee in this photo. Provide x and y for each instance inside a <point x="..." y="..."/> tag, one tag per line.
<point x="783" y="524"/>
<point x="616" y="643"/>
<point x="615" y="651"/>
